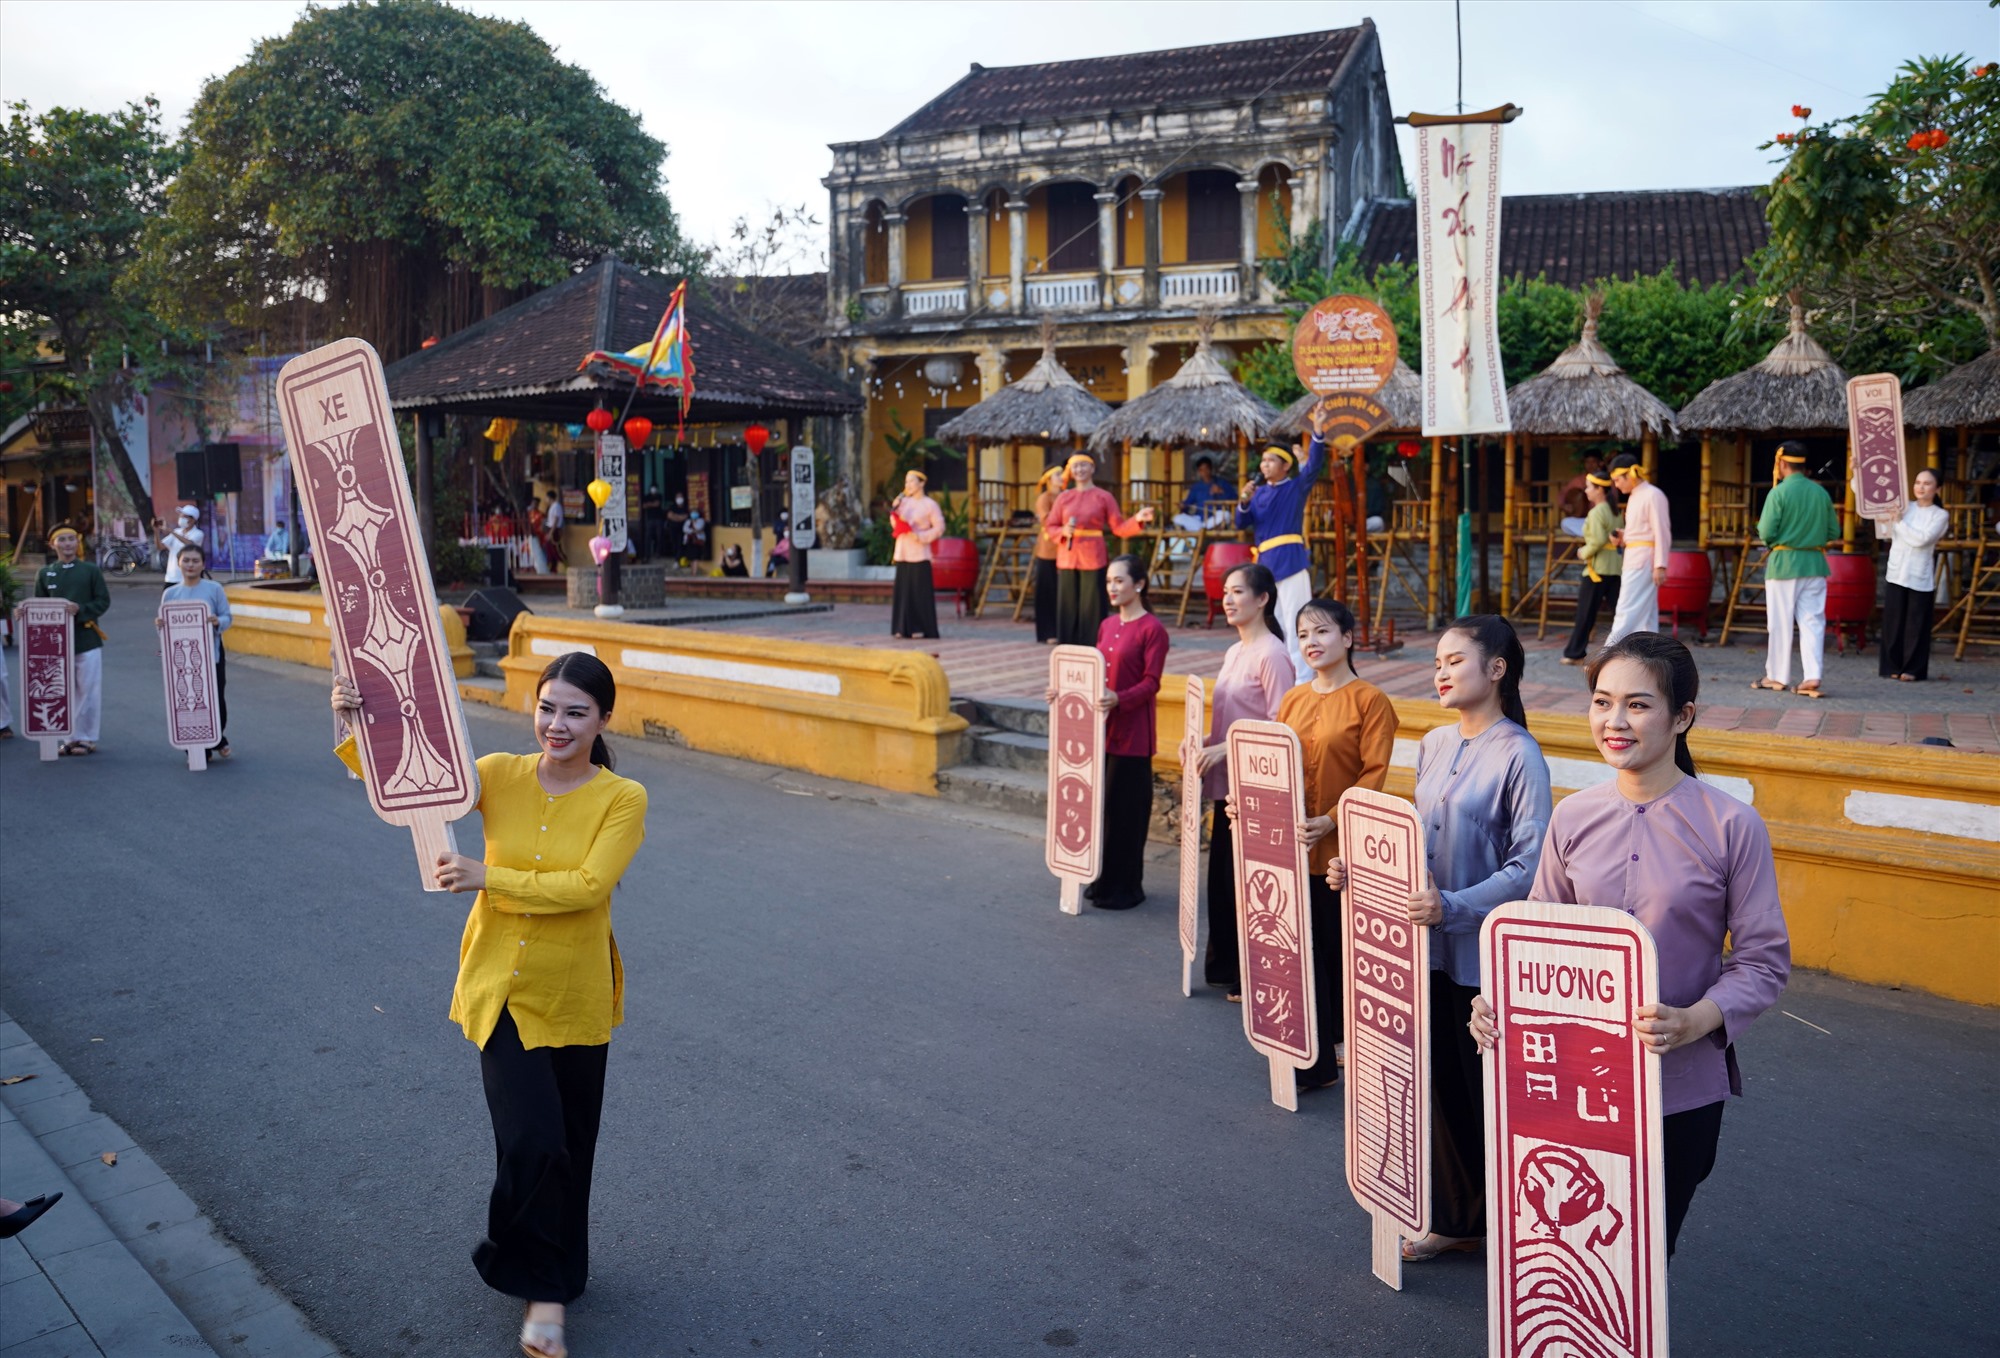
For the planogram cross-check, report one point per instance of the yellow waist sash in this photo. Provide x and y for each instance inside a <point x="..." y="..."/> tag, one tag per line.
<point x="1287" y="540"/>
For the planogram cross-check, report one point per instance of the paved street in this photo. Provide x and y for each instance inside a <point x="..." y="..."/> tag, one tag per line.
<point x="874" y="1095"/>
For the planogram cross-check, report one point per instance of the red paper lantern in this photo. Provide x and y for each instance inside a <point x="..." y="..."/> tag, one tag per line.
<point x="599" y="420"/>
<point x="431" y="341"/>
<point x="638" y="429"/>
<point x="755" y="437"/>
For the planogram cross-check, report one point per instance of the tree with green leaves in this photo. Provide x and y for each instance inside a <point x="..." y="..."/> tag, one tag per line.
<point x="399" y="169"/>
<point x="76" y="192"/>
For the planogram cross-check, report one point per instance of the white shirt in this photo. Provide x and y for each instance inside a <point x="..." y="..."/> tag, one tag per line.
<point x="554" y="518"/>
<point x="188" y="536"/>
<point x="1913" y="546"/>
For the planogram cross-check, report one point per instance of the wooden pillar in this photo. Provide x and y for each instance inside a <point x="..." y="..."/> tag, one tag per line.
<point x="1649" y="453"/>
<point x="1707" y="453"/>
<point x="1479" y="501"/>
<point x="1242" y="460"/>
<point x="1507" y="528"/>
<point x="1149" y="203"/>
<point x="1964" y="472"/>
<point x="1437" y="534"/>
<point x="1847" y="519"/>
<point x="1931" y="450"/>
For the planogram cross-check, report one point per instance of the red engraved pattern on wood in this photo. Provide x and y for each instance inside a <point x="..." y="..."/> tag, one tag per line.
<point x="1075" y="762"/>
<point x="1388" y="965"/>
<point x="1194" y="730"/>
<point x="1573" y="1220"/>
<point x="187" y="657"/>
<point x="48" y="670"/>
<point x="1277" y="1009"/>
<point x="1875" y="420"/>
<point x="357" y="499"/>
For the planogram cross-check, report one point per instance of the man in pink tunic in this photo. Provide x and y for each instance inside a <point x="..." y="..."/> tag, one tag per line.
<point x="1648" y="540"/>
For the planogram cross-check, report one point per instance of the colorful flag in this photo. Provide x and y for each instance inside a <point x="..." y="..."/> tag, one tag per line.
<point x="667" y="360"/>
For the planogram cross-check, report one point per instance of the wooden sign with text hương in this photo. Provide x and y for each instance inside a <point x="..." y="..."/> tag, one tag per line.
<point x="1075" y="847"/>
<point x="1194" y="732"/>
<point x="416" y="758"/>
<point x="187" y="671"/>
<point x="48" y="673"/>
<point x="1274" y="918"/>
<point x="1576" y="1219"/>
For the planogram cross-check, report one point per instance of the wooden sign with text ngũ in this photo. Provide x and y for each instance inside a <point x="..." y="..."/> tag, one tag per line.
<point x="1194" y="731"/>
<point x="415" y="756"/>
<point x="1875" y="434"/>
<point x="1386" y="995"/>
<point x="1075" y="846"/>
<point x="1576" y="1218"/>
<point x="187" y="669"/>
<point x="48" y="674"/>
<point x="1274" y="919"/>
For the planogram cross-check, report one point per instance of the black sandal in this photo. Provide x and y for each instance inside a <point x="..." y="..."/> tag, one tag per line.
<point x="27" y="1214"/>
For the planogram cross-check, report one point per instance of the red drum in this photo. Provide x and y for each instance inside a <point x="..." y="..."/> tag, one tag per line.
<point x="1686" y="592"/>
<point x="1850" y="597"/>
<point x="1220" y="559"/>
<point x="955" y="568"/>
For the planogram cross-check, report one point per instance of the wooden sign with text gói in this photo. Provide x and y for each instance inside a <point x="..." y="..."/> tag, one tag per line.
<point x="416" y="758"/>
<point x="1386" y="995"/>
<point x="1576" y="1217"/>
<point x="1194" y="732"/>
<point x="48" y="674"/>
<point x="1875" y="438"/>
<point x="187" y="670"/>
<point x="1274" y="919"/>
<point x="1075" y="848"/>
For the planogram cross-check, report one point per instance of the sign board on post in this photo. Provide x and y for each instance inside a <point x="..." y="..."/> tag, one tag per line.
<point x="1875" y="436"/>
<point x="187" y="668"/>
<point x="1194" y="731"/>
<point x="1386" y="996"/>
<point x="805" y="498"/>
<point x="1344" y="344"/>
<point x="1274" y="923"/>
<point x="612" y="520"/>
<point x="1576" y="1220"/>
<point x="1075" y="848"/>
<point x="416" y="758"/>
<point x="48" y="674"/>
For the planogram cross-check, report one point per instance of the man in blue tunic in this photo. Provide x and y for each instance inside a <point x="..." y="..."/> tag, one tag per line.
<point x="1275" y="514"/>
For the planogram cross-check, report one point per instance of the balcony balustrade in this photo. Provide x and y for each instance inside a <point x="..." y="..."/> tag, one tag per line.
<point x="923" y="300"/>
<point x="1074" y="290"/>
<point x="1202" y="282"/>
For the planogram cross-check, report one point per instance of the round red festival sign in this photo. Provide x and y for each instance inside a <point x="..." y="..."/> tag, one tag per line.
<point x="1344" y="344"/>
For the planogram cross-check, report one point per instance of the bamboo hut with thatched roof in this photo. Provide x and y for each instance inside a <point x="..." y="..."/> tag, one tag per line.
<point x="1583" y="396"/>
<point x="1201" y="406"/>
<point x="1966" y="399"/>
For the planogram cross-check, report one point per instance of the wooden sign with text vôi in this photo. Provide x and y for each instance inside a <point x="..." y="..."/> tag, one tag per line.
<point x="1274" y="921"/>
<point x="415" y="756"/>
<point x="48" y="674"/>
<point x="187" y="669"/>
<point x="1194" y="731"/>
<point x="1875" y="434"/>
<point x="1576" y="1218"/>
<point x="1075" y="848"/>
<point x="1386" y="997"/>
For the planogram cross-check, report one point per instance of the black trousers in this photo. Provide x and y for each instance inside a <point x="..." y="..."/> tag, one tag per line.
<point x="1045" y="599"/>
<point x="913" y="611"/>
<point x="1591" y="596"/>
<point x="1906" y="631"/>
<point x="1079" y="606"/>
<point x="1223" y="963"/>
<point x="1328" y="961"/>
<point x="545" y="1106"/>
<point x="1128" y="805"/>
<point x="1458" y="1114"/>
<point x="221" y="699"/>
<point x="1689" y="1140"/>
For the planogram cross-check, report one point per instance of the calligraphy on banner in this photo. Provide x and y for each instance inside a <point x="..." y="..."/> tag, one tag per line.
<point x="1074" y="848"/>
<point x="1275" y="919"/>
<point x="1875" y="433"/>
<point x="1458" y="252"/>
<point x="1344" y="344"/>
<point x="1576" y="1217"/>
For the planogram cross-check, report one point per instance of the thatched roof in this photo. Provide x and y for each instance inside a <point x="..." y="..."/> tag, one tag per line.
<point x="1401" y="396"/>
<point x="1199" y="406"/>
<point x="1046" y="406"/>
<point x="1585" y="394"/>
<point x="1796" y="389"/>
<point x="1965" y="397"/>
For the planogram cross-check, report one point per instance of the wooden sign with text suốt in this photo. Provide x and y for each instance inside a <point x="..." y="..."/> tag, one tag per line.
<point x="1274" y="915"/>
<point x="1075" y="846"/>
<point x="416" y="758"/>
<point x="48" y="674"/>
<point x="1194" y="731"/>
<point x="187" y="671"/>
<point x="1576" y="1220"/>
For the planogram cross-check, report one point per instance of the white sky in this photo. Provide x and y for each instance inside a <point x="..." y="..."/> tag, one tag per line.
<point x="747" y="96"/>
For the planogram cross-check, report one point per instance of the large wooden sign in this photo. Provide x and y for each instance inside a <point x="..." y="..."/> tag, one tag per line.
<point x="1075" y="849"/>
<point x="1274" y="921"/>
<point x="1385" y="995"/>
<point x="48" y="674"/>
<point x="1344" y="344"/>
<point x="187" y="669"/>
<point x="1194" y="732"/>
<point x="1875" y="434"/>
<point x="1576" y="1220"/>
<point x="415" y="754"/>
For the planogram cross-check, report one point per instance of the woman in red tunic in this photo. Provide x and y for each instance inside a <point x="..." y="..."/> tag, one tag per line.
<point x="1078" y="522"/>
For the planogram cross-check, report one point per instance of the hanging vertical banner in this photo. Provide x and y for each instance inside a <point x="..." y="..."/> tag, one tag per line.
<point x="1274" y="926"/>
<point x="612" y="521"/>
<point x="1458" y="260"/>
<point x="1075" y="849"/>
<point x="1875" y="438"/>
<point x="1576" y="1231"/>
<point x="187" y="668"/>
<point x="1194" y="731"/>
<point x="48" y="673"/>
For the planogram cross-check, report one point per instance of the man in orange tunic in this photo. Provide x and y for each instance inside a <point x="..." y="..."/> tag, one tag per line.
<point x="1077" y="523"/>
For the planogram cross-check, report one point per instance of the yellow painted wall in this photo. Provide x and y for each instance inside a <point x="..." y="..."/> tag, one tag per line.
<point x="1132" y="225"/>
<point x="290" y="624"/>
<point x="909" y="404"/>
<point x="1271" y="224"/>
<point x="917" y="242"/>
<point x="1038" y="229"/>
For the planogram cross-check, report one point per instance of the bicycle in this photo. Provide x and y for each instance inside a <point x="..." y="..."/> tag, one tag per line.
<point x="125" y="556"/>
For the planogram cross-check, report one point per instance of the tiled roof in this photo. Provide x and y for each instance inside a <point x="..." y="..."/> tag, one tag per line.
<point x="1705" y="235"/>
<point x="523" y="361"/>
<point x="1136" y="80"/>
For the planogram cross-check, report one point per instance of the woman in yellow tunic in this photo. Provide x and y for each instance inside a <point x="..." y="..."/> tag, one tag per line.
<point x="540" y="985"/>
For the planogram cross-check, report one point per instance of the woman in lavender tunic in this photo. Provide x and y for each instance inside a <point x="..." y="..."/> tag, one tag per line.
<point x="1690" y="863"/>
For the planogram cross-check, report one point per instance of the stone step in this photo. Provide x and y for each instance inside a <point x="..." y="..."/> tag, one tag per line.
<point x="488" y="667"/>
<point x="1027" y="716"/>
<point x="995" y="748"/>
<point x="1001" y="789"/>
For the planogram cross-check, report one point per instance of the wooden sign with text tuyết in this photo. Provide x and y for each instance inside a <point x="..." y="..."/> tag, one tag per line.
<point x="416" y="758"/>
<point x="1075" y="846"/>
<point x="48" y="673"/>
<point x="1274" y="921"/>
<point x="187" y="671"/>
<point x="1194" y="732"/>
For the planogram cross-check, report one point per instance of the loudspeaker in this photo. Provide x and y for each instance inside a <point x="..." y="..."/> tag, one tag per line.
<point x="191" y="476"/>
<point x="493" y="614"/>
<point x="225" y="469"/>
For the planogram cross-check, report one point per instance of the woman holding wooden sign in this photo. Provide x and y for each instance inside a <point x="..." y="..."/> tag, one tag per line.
<point x="1256" y="673"/>
<point x="1134" y="644"/>
<point x="1483" y="792"/>
<point x="194" y="585"/>
<point x="540" y="983"/>
<point x="1694" y="866"/>
<point x="1909" y="593"/>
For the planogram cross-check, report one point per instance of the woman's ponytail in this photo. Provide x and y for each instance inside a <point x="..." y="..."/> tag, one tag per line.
<point x="1495" y="636"/>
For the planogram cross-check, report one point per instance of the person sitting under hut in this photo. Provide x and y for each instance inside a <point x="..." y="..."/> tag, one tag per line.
<point x="1209" y="499"/>
<point x="1575" y="497"/>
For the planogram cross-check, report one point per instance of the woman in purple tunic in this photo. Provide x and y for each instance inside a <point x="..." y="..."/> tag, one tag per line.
<point x="1694" y="866"/>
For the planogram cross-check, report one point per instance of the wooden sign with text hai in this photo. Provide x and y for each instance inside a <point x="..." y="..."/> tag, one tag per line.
<point x="415" y="755"/>
<point x="1576" y="1218"/>
<point x="1075" y="847"/>
<point x="48" y="674"/>
<point x="187" y="669"/>
<point x="1194" y="731"/>
<point x="1274" y="923"/>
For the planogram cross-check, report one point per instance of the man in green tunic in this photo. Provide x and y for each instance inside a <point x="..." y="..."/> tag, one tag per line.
<point x="82" y="586"/>
<point x="1798" y="521"/>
